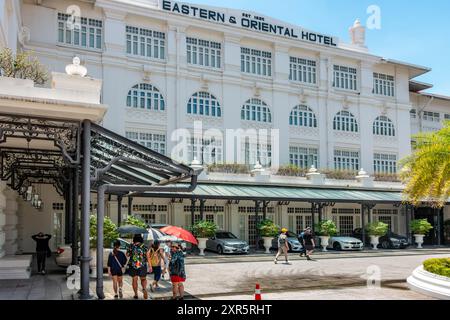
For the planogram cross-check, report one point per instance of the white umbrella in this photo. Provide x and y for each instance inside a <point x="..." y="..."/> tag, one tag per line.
<point x="153" y="234"/>
<point x="169" y="238"/>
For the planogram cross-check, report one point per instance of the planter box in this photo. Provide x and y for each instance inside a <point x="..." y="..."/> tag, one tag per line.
<point x="429" y="284"/>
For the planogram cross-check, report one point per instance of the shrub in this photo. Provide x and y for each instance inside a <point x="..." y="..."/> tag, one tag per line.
<point x="267" y="228"/>
<point x="22" y="66"/>
<point x="110" y="233"/>
<point x="388" y="177"/>
<point x="326" y="228"/>
<point x="229" y="168"/>
<point x="134" y="221"/>
<point x="439" y="266"/>
<point x="340" y="174"/>
<point x="292" y="171"/>
<point x="420" y="226"/>
<point x="377" y="228"/>
<point x="204" y="229"/>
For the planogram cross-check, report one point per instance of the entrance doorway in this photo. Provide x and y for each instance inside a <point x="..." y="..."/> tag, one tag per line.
<point x="436" y="218"/>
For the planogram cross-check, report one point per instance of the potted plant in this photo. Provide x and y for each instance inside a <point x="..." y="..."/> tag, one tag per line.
<point x="203" y="230"/>
<point x="326" y="229"/>
<point x="109" y="236"/>
<point x="268" y="230"/>
<point x="419" y="228"/>
<point x="376" y="230"/>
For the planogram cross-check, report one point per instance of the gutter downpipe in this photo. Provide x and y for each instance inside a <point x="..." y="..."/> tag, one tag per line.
<point x="101" y="191"/>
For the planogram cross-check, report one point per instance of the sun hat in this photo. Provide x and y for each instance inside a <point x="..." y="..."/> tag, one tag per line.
<point x="284" y="230"/>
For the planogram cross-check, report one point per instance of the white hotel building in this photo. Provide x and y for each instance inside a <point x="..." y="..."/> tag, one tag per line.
<point x="164" y="65"/>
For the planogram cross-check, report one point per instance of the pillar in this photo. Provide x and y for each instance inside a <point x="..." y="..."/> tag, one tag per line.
<point x="119" y="210"/>
<point x="256" y="224"/>
<point x="130" y="205"/>
<point x="313" y="222"/>
<point x="363" y="225"/>
<point x="11" y="221"/>
<point x="193" y="211"/>
<point x="2" y="219"/>
<point x="202" y="209"/>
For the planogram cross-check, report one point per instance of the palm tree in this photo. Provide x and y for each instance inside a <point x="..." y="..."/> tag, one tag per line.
<point x="427" y="171"/>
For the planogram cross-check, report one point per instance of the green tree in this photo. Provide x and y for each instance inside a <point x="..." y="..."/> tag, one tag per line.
<point x="110" y="233"/>
<point x="134" y="221"/>
<point x="22" y="66"/>
<point x="427" y="171"/>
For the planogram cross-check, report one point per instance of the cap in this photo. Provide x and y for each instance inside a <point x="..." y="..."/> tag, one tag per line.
<point x="284" y="230"/>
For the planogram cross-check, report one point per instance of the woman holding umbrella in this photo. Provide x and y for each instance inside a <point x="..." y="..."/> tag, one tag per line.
<point x="177" y="272"/>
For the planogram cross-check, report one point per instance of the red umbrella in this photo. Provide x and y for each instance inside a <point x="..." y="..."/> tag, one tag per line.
<point x="180" y="233"/>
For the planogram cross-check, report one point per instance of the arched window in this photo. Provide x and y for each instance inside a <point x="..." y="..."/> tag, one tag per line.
<point x="256" y="110"/>
<point x="345" y="121"/>
<point x="303" y="116"/>
<point x="146" y="97"/>
<point x="204" y="104"/>
<point x="383" y="126"/>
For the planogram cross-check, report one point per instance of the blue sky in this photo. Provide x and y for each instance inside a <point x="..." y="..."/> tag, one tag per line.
<point x="415" y="31"/>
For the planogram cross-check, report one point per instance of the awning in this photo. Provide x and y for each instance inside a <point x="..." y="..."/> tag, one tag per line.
<point x="278" y="193"/>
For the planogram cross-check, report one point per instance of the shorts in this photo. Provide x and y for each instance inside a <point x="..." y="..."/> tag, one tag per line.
<point x="177" y="279"/>
<point x="309" y="247"/>
<point x="118" y="273"/>
<point x="141" y="272"/>
<point x="157" y="273"/>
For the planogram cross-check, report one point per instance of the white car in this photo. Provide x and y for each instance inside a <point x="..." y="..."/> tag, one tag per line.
<point x="64" y="254"/>
<point x="345" y="243"/>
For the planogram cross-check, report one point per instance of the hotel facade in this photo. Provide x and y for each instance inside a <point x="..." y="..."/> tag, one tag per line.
<point x="167" y="66"/>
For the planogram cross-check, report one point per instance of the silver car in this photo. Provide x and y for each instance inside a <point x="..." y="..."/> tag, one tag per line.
<point x="226" y="242"/>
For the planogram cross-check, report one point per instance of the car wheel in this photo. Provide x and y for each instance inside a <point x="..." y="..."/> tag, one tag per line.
<point x="219" y="250"/>
<point x="385" y="245"/>
<point x="337" y="246"/>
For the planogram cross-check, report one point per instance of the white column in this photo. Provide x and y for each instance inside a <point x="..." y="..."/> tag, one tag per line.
<point x="11" y="220"/>
<point x="2" y="219"/>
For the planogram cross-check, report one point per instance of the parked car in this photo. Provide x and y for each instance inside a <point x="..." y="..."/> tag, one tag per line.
<point x="345" y="243"/>
<point x="293" y="243"/>
<point x="390" y="240"/>
<point x="226" y="242"/>
<point x="64" y="253"/>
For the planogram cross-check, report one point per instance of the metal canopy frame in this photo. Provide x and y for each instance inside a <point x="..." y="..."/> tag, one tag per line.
<point x="113" y="164"/>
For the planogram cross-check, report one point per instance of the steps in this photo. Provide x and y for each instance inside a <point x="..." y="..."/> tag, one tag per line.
<point x="15" y="267"/>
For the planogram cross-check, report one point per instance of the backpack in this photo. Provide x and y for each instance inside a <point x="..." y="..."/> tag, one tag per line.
<point x="282" y="239"/>
<point x="154" y="257"/>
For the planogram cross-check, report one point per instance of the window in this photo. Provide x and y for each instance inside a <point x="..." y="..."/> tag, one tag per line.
<point x="256" y="110"/>
<point x="302" y="70"/>
<point x="83" y="32"/>
<point x="431" y="116"/>
<point x="345" y="121"/>
<point x="205" y="104"/>
<point x="446" y="116"/>
<point x="303" y="157"/>
<point x="205" y="150"/>
<point x="383" y="84"/>
<point x="346" y="160"/>
<point x="153" y="141"/>
<point x="145" y="96"/>
<point x="256" y="152"/>
<point x="145" y="43"/>
<point x="256" y="62"/>
<point x="203" y="52"/>
<point x="413" y="114"/>
<point x="302" y="116"/>
<point x="383" y="126"/>
<point x="345" y="78"/>
<point x="384" y="163"/>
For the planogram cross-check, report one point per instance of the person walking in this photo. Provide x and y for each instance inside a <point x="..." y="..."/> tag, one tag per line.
<point x="283" y="246"/>
<point x="309" y="242"/>
<point x="167" y="248"/>
<point x="116" y="268"/>
<point x="42" y="250"/>
<point x="302" y="242"/>
<point x="177" y="272"/>
<point x="156" y="258"/>
<point x="139" y="264"/>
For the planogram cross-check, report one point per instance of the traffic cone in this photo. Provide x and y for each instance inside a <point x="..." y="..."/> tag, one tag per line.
<point x="257" y="292"/>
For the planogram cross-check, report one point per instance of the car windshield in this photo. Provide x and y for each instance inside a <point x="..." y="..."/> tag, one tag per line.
<point x="291" y="234"/>
<point x="225" y="235"/>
